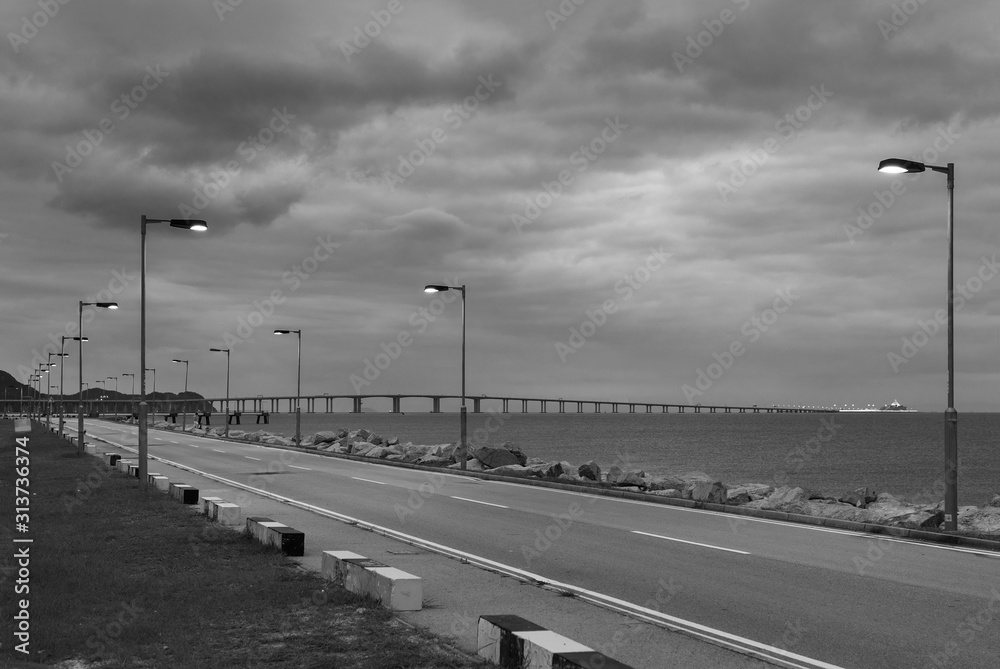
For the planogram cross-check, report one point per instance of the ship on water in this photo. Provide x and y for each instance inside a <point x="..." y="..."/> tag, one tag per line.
<point x="894" y="407"/>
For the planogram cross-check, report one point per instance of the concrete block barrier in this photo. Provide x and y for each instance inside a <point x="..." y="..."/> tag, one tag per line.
<point x="133" y="470"/>
<point x="227" y="513"/>
<point x="112" y="458"/>
<point x="394" y="588"/>
<point x="272" y="533"/>
<point x="512" y="641"/>
<point x="183" y="493"/>
<point x="160" y="483"/>
<point x="123" y="465"/>
<point x="205" y="501"/>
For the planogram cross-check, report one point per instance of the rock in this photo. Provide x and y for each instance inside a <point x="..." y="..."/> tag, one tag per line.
<point x="713" y="492"/>
<point x="922" y="520"/>
<point x="837" y="510"/>
<point x="684" y="482"/>
<point x="472" y="465"/>
<point x="860" y="497"/>
<point x="511" y="470"/>
<point x="590" y="470"/>
<point x="623" y="478"/>
<point x="341" y="433"/>
<point x="788" y="499"/>
<point x="361" y="447"/>
<point x="737" y="496"/>
<point x="669" y="492"/>
<point x="377" y="440"/>
<point x="378" y="452"/>
<point x="396" y="457"/>
<point x="392" y="441"/>
<point x="434" y="461"/>
<point x="497" y="457"/>
<point x="568" y="470"/>
<point x="995" y="502"/>
<point x="325" y="437"/>
<point x="364" y="434"/>
<point x="986" y="519"/>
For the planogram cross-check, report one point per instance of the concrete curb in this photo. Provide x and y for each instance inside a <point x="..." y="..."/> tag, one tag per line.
<point x="272" y="533"/>
<point x="597" y="489"/>
<point x="393" y="588"/>
<point x="512" y="641"/>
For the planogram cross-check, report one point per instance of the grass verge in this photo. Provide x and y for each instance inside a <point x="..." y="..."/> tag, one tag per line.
<point x="122" y="579"/>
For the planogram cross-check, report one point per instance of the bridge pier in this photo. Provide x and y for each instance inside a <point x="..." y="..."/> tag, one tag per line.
<point x="712" y="409"/>
<point x="579" y="407"/>
<point x="544" y="406"/>
<point x="597" y="407"/>
<point x="680" y="408"/>
<point x="614" y="407"/>
<point x="631" y="408"/>
<point x="697" y="409"/>
<point x="395" y="403"/>
<point x="357" y="404"/>
<point x="476" y="405"/>
<point x="562" y="406"/>
<point x="437" y="405"/>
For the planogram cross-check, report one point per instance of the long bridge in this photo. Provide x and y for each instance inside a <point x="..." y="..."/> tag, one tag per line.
<point x="327" y="403"/>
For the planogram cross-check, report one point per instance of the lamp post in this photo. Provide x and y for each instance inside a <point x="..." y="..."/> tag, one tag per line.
<point x="298" y="387"/>
<point x="100" y="398"/>
<point x="58" y="355"/>
<point x="902" y="166"/>
<point x="226" y="351"/>
<point x="186" y="224"/>
<point x="183" y="404"/>
<point x="116" y="395"/>
<point x="62" y="397"/>
<point x="31" y="400"/>
<point x="131" y="397"/>
<point x="42" y="367"/>
<point x="100" y="305"/>
<point x="462" y="445"/>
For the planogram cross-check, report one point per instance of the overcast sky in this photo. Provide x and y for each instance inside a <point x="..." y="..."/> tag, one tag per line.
<point x="662" y="201"/>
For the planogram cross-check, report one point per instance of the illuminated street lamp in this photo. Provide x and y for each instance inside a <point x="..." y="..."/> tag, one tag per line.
<point x="298" y="387"/>
<point x="903" y="166"/>
<point x="461" y="453"/>
<point x="100" y="305"/>
<point x="183" y="403"/>
<point x="62" y="399"/>
<point x="226" y="351"/>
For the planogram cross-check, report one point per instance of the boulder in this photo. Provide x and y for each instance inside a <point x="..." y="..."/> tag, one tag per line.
<point x="396" y="457"/>
<point x="364" y="434"/>
<point x="325" y="437"/>
<point x="590" y="470"/>
<point x="623" y="478"/>
<point x="430" y="460"/>
<point x="713" y="492"/>
<point x="788" y="499"/>
<point x="378" y="452"/>
<point x="518" y="453"/>
<point x="669" y="492"/>
<point x="376" y="439"/>
<point x="995" y="502"/>
<point x="472" y="465"/>
<point x="737" y="496"/>
<point x="497" y="457"/>
<point x="392" y="441"/>
<point x="511" y="470"/>
<point x="860" y="497"/>
<point x="986" y="519"/>
<point x="837" y="510"/>
<point x="684" y="482"/>
<point x="921" y="520"/>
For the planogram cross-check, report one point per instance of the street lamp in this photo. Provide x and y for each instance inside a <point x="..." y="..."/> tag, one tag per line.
<point x="183" y="404"/>
<point x="116" y="395"/>
<point x="131" y="397"/>
<point x="436" y="288"/>
<point x="100" y="398"/>
<point x="62" y="398"/>
<point x="226" y="351"/>
<point x="298" y="387"/>
<point x="58" y="355"/>
<point x="185" y="224"/>
<point x="903" y="166"/>
<point x="100" y="305"/>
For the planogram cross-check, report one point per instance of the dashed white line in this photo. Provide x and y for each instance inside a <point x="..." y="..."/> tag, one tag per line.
<point x="476" y="501"/>
<point x="693" y="543"/>
<point x="217" y="450"/>
<point x="193" y="446"/>
<point x="358" y="478"/>
<point x="297" y="467"/>
<point x="249" y="458"/>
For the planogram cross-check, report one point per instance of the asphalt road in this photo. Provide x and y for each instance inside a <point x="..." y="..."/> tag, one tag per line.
<point x="840" y="597"/>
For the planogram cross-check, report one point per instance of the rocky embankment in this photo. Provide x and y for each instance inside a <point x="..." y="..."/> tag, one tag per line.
<point x="862" y="505"/>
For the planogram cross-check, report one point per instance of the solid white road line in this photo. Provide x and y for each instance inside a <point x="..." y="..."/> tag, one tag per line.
<point x="466" y="499"/>
<point x="249" y="458"/>
<point x="693" y="543"/>
<point x="358" y="478"/>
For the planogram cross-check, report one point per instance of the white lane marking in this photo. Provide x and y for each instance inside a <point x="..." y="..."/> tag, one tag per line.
<point x="193" y="446"/>
<point x="297" y="467"/>
<point x="173" y="442"/>
<point x="217" y="450"/>
<point x="249" y="458"/>
<point x="712" y="634"/>
<point x="358" y="478"/>
<point x="466" y="499"/>
<point x="694" y="543"/>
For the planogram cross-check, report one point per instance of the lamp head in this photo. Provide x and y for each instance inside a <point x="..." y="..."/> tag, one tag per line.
<point x="176" y="360"/>
<point x="434" y="288"/>
<point x="189" y="224"/>
<point x="900" y="166"/>
<point x="219" y="350"/>
<point x="284" y="332"/>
